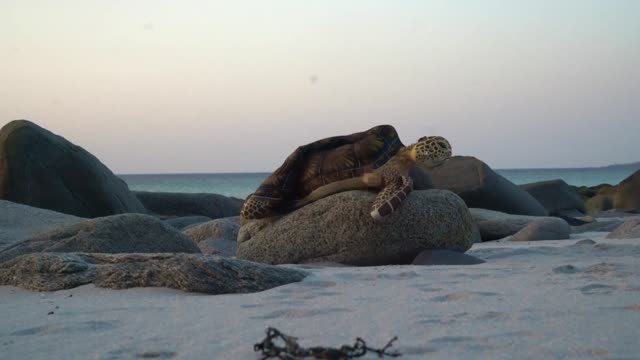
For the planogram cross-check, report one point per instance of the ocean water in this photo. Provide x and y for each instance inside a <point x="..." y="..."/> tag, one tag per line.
<point x="242" y="184"/>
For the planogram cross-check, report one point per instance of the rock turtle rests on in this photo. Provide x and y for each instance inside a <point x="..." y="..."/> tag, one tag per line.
<point x="374" y="159"/>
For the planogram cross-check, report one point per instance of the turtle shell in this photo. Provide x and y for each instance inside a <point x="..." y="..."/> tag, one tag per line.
<point x="332" y="159"/>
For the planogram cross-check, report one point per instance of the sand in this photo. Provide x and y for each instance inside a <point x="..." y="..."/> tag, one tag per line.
<point x="537" y="300"/>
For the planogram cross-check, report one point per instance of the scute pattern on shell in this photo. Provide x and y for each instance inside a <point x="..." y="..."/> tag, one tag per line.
<point x="328" y="160"/>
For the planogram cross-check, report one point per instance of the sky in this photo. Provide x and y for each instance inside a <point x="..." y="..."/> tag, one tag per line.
<point x="159" y="86"/>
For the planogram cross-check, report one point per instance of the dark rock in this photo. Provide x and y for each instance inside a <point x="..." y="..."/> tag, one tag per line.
<point x="126" y="233"/>
<point x="41" y="169"/>
<point x="544" y="229"/>
<point x="628" y="194"/>
<point x="630" y="229"/>
<point x="481" y="187"/>
<point x="188" y="272"/>
<point x="421" y="178"/>
<point x="20" y="222"/>
<point x="565" y="269"/>
<point x="555" y="196"/>
<point x="214" y="229"/>
<point x="339" y="229"/>
<point x="186" y="204"/>
<point x="183" y="222"/>
<point x="585" y="242"/>
<point x="445" y="257"/>
<point x="494" y="225"/>
<point x="222" y="247"/>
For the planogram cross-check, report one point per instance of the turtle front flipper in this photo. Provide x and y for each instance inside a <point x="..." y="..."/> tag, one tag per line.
<point x="259" y="207"/>
<point x="391" y="197"/>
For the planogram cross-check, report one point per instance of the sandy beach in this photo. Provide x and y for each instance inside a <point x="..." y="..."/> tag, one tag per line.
<point x="567" y="299"/>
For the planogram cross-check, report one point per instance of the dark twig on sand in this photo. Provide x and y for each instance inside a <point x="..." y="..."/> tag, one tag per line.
<point x="289" y="349"/>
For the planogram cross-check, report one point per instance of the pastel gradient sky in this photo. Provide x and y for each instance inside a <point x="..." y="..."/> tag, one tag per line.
<point x="154" y="86"/>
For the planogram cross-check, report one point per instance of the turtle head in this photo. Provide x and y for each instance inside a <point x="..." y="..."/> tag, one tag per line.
<point x="431" y="150"/>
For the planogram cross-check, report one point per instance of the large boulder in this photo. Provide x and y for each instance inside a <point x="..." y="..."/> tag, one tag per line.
<point x="187" y="272"/>
<point x="41" y="169"/>
<point x="481" y="187"/>
<point x="555" y="195"/>
<point x="125" y="233"/>
<point x="340" y="229"/>
<point x="549" y="228"/>
<point x="20" y="222"/>
<point x="494" y="225"/>
<point x="186" y="204"/>
<point x="215" y="229"/>
<point x="628" y="194"/>
<point x="630" y="229"/>
<point x="421" y="178"/>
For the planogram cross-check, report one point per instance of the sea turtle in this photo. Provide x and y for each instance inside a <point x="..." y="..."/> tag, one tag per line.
<point x="372" y="159"/>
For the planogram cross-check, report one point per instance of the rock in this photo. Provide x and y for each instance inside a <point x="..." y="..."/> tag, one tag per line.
<point x="597" y="226"/>
<point x="222" y="247"/>
<point x="188" y="272"/>
<point x="481" y="187"/>
<point x="214" y="229"/>
<point x="544" y="229"/>
<point x="555" y="196"/>
<point x="126" y="233"/>
<point x="599" y="203"/>
<point x="20" y="222"/>
<point x="421" y="178"/>
<point x="630" y="229"/>
<point x="339" y="229"/>
<point x="585" y="242"/>
<point x="494" y="225"/>
<point x="185" y="204"/>
<point x="41" y="169"/>
<point x="628" y="194"/>
<point x="587" y="192"/>
<point x="183" y="222"/>
<point x="445" y="257"/>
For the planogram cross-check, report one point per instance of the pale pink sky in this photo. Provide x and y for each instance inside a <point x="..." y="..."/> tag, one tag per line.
<point x="154" y="86"/>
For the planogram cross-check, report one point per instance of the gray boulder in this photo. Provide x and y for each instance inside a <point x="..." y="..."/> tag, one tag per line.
<point x="20" y="222"/>
<point x="494" y="225"/>
<point x="126" y="233"/>
<point x="186" y="204"/>
<point x="480" y="187"/>
<point x="187" y="272"/>
<point x="186" y="221"/>
<point x="555" y="195"/>
<point x="628" y="194"/>
<point x="445" y="257"/>
<point x="214" y="229"/>
<point x="544" y="229"/>
<point x="339" y="229"/>
<point x="630" y="229"/>
<point x="44" y="170"/>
